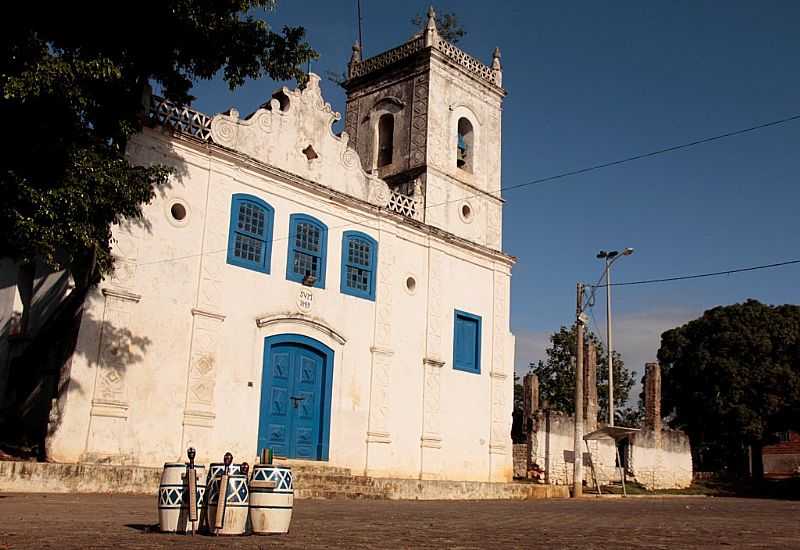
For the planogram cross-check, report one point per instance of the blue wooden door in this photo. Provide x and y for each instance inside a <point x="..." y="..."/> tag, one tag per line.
<point x="291" y="413"/>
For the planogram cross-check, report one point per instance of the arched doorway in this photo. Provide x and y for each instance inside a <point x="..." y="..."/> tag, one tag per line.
<point x="295" y="409"/>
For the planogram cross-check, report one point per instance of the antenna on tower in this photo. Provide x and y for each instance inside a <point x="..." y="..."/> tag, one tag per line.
<point x="360" y="36"/>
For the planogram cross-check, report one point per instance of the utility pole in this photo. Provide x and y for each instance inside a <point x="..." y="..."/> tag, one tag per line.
<point x="577" y="472"/>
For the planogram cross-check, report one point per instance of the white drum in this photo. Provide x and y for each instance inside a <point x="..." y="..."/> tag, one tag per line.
<point x="236" y="505"/>
<point x="173" y="497"/>
<point x="215" y="469"/>
<point x="271" y="509"/>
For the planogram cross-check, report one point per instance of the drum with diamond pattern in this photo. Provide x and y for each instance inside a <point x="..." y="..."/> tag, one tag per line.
<point x="236" y="505"/>
<point x="173" y="497"/>
<point x="271" y="508"/>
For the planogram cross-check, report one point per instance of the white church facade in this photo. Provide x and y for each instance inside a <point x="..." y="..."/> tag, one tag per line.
<point x="337" y="298"/>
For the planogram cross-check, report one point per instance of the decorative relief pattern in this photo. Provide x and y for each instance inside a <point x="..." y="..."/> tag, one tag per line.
<point x="435" y="315"/>
<point x="118" y="350"/>
<point x="206" y="328"/>
<point x="126" y="253"/>
<point x="387" y="58"/>
<point x="202" y="370"/>
<point x="111" y="382"/>
<point x="467" y="61"/>
<point x="500" y="429"/>
<point x="351" y="121"/>
<point x="500" y="321"/>
<point x="378" y="430"/>
<point x="383" y="329"/>
<point x="419" y="120"/>
<point x="493" y="226"/>
<point x="432" y="401"/>
<point x="181" y="118"/>
<point x="404" y="205"/>
<point x="499" y="416"/>
<point x="416" y="44"/>
<point x="212" y="263"/>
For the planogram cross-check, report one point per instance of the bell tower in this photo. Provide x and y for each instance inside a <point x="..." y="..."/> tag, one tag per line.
<point x="425" y="116"/>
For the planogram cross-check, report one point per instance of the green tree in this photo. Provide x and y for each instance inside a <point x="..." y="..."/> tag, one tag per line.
<point x="447" y="26"/>
<point x="73" y="77"/>
<point x="732" y="379"/>
<point x="557" y="375"/>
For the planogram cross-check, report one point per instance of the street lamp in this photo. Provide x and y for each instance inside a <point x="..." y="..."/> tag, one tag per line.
<point x="610" y="258"/>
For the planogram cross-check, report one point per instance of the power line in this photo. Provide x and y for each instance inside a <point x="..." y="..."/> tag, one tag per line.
<point x="702" y="275"/>
<point x="626" y="159"/>
<point x="536" y="182"/>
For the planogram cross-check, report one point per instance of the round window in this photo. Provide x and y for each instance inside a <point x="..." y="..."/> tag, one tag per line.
<point x="466" y="213"/>
<point x="411" y="284"/>
<point x="178" y="212"/>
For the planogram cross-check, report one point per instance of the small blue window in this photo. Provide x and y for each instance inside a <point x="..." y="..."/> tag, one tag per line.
<point x="467" y="342"/>
<point x="308" y="248"/>
<point x="359" y="255"/>
<point x="250" y="233"/>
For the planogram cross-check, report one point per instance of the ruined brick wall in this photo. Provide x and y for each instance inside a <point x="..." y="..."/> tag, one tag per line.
<point x="652" y="397"/>
<point x="590" y="387"/>
<point x="520" y="459"/>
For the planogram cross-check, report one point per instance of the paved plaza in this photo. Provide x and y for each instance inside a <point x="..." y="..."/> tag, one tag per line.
<point x="105" y="521"/>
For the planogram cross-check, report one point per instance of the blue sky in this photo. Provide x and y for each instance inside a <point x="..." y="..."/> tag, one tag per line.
<point x="591" y="82"/>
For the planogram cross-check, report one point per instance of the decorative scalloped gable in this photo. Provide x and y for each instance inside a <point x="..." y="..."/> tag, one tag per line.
<point x="294" y="132"/>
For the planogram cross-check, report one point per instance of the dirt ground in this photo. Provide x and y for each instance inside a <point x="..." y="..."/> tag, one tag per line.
<point x="106" y="521"/>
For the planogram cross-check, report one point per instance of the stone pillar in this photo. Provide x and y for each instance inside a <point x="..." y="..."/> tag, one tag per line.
<point x="652" y="399"/>
<point x="590" y="387"/>
<point x="530" y="404"/>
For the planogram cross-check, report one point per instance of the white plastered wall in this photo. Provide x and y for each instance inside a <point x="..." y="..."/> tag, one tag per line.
<point x="170" y="352"/>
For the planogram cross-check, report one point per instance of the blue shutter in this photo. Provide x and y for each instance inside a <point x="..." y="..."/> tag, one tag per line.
<point x="359" y="263"/>
<point x="308" y="249"/>
<point x="467" y="342"/>
<point x="250" y="233"/>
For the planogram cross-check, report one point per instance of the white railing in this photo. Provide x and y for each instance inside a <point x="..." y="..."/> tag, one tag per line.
<point x="169" y="114"/>
<point x="405" y="205"/>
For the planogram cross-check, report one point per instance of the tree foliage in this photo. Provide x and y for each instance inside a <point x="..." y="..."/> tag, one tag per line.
<point x="447" y="26"/>
<point x="557" y="375"/>
<point x="73" y="77"/>
<point x="732" y="378"/>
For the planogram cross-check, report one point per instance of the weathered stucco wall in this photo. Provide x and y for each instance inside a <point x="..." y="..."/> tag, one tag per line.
<point x="661" y="461"/>
<point x="170" y="353"/>
<point x="656" y="465"/>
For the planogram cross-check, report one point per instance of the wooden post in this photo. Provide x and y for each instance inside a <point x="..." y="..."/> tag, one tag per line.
<point x="219" y="520"/>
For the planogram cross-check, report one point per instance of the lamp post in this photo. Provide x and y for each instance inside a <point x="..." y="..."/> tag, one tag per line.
<point x="610" y="258"/>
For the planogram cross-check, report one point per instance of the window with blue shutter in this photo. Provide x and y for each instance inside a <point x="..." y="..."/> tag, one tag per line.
<point x="467" y="342"/>
<point x="359" y="263"/>
<point x="308" y="248"/>
<point x="250" y="233"/>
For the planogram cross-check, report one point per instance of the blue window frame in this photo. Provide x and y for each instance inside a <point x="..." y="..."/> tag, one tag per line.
<point x="308" y="249"/>
<point x="250" y="233"/>
<point x="359" y="263"/>
<point x="467" y="342"/>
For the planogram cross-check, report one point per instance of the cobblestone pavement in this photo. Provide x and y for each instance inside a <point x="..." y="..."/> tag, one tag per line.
<point x="104" y="521"/>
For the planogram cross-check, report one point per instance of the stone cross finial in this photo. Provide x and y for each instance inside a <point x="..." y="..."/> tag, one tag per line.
<point x="430" y="28"/>
<point x="355" y="59"/>
<point x="497" y="67"/>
